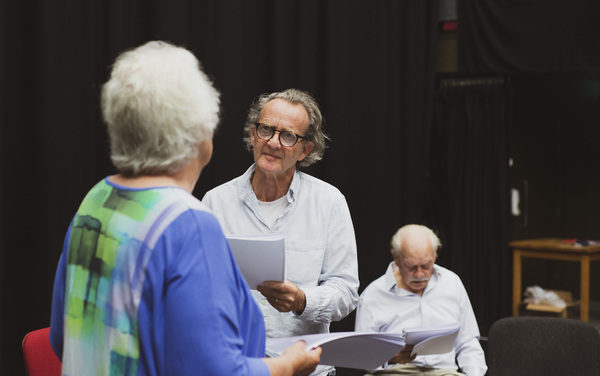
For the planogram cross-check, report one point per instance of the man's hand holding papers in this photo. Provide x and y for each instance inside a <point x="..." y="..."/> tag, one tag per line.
<point x="404" y="356"/>
<point x="284" y="296"/>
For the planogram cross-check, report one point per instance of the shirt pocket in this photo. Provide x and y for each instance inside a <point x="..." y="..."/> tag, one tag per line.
<point x="304" y="260"/>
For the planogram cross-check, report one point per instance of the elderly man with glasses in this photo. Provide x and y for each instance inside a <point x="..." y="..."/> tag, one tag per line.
<point x="284" y="131"/>
<point x="415" y="292"/>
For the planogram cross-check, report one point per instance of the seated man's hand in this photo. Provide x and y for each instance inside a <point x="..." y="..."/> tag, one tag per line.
<point x="404" y="355"/>
<point x="284" y="296"/>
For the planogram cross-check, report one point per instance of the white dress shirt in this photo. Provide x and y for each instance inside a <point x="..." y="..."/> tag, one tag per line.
<point x="385" y="307"/>
<point x="320" y="248"/>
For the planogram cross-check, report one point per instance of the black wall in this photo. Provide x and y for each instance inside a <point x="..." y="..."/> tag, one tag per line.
<point x="556" y="169"/>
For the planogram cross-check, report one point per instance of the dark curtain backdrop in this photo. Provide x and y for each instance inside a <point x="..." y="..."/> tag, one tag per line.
<point x="470" y="201"/>
<point x="507" y="36"/>
<point x="369" y="64"/>
<point x="550" y="42"/>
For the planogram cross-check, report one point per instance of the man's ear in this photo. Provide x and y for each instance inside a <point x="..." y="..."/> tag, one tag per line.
<point x="252" y="135"/>
<point x="306" y="149"/>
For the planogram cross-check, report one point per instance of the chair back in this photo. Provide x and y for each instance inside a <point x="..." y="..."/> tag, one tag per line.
<point x="531" y="346"/>
<point x="38" y="355"/>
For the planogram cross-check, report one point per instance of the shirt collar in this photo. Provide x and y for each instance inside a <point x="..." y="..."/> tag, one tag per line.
<point x="294" y="187"/>
<point x="389" y="280"/>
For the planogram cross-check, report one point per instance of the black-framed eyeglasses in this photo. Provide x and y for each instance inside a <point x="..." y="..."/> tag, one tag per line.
<point x="286" y="138"/>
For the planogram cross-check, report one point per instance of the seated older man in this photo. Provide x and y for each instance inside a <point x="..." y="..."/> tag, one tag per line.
<point x="415" y="292"/>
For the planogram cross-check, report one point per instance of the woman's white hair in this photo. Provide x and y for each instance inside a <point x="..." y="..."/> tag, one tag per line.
<point x="158" y="106"/>
<point x="404" y="231"/>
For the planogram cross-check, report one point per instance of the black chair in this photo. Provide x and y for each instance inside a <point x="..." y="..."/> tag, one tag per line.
<point x="531" y="346"/>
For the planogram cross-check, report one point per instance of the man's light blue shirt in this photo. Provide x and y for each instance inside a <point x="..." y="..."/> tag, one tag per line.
<point x="320" y="247"/>
<point x="385" y="307"/>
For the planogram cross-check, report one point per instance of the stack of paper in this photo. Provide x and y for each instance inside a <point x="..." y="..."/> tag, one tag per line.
<point x="346" y="349"/>
<point x="366" y="350"/>
<point x="259" y="257"/>
<point x="433" y="339"/>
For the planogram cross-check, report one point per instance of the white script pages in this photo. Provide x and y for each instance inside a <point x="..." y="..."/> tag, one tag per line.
<point x="259" y="257"/>
<point x="433" y="339"/>
<point x="369" y="350"/>
<point x="362" y="350"/>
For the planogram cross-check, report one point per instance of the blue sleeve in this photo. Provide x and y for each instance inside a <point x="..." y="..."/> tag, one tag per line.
<point x="200" y="315"/>
<point x="58" y="301"/>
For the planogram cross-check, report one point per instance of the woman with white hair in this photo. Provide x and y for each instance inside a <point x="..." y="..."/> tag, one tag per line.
<point x="146" y="283"/>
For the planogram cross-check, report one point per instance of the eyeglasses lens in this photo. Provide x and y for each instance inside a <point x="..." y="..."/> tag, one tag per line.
<point x="286" y="138"/>
<point x="265" y="132"/>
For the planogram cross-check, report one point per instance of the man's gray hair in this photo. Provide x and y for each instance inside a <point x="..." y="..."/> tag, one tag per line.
<point x="405" y="231"/>
<point x="158" y="106"/>
<point x="314" y="132"/>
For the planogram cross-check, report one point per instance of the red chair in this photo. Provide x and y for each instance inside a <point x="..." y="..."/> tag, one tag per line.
<point x="39" y="357"/>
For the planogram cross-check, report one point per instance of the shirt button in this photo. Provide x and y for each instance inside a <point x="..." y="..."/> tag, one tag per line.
<point x="263" y="301"/>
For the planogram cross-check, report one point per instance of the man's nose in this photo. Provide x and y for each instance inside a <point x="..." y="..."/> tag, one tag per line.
<point x="274" y="142"/>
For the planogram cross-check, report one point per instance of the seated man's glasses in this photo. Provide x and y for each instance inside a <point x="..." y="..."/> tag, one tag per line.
<point x="286" y="138"/>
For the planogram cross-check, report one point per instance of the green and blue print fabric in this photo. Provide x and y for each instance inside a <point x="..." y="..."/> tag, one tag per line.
<point x="113" y="235"/>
